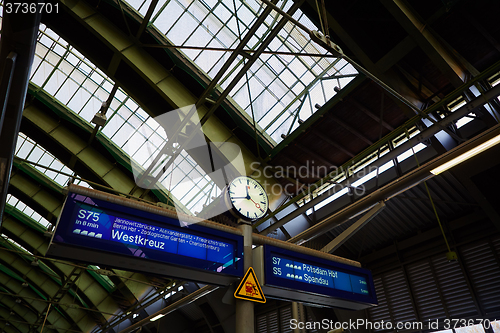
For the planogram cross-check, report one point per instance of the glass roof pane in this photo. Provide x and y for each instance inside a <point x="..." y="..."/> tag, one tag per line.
<point x="76" y="82"/>
<point x="29" y="150"/>
<point x="218" y="24"/>
<point x="18" y="204"/>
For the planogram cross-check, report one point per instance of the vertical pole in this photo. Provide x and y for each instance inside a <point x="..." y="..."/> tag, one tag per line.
<point x="245" y="321"/>
<point x="295" y="315"/>
<point x="17" y="50"/>
<point x="302" y="315"/>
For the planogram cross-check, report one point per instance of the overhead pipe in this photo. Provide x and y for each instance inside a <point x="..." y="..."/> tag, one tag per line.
<point x="421" y="137"/>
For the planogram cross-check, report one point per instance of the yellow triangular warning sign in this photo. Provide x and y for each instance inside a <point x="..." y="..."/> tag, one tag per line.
<point x="249" y="288"/>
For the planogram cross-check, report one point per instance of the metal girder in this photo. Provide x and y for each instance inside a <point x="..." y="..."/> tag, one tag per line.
<point x="355" y="227"/>
<point x="93" y="291"/>
<point x="317" y="115"/>
<point x="392" y="189"/>
<point x="126" y="285"/>
<point x="34" y="194"/>
<point x="45" y="284"/>
<point x="424" y="135"/>
<point x="17" y="50"/>
<point x="121" y="157"/>
<point x="38" y="177"/>
<point x="347" y="40"/>
<point x="426" y="39"/>
<point x="114" y="177"/>
<point x="164" y="83"/>
<point x="8" y="300"/>
<point x="106" y="171"/>
<point x="66" y="284"/>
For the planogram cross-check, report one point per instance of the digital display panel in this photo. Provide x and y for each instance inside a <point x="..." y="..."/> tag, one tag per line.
<point x="102" y="225"/>
<point x="305" y="273"/>
<point x="319" y="276"/>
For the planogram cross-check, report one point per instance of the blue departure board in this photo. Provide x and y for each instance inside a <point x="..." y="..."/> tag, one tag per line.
<point x="111" y="228"/>
<point x="319" y="276"/>
<point x="292" y="270"/>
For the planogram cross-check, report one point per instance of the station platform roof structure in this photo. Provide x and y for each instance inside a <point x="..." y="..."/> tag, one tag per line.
<point x="345" y="132"/>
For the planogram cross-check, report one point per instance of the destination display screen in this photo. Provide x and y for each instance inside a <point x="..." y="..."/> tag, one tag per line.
<point x="317" y="275"/>
<point x="295" y="271"/>
<point x="102" y="225"/>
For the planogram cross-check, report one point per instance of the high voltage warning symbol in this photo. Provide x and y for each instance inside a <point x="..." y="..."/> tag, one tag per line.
<point x="249" y="288"/>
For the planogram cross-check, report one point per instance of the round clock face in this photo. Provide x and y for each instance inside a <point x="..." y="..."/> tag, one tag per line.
<point x="248" y="198"/>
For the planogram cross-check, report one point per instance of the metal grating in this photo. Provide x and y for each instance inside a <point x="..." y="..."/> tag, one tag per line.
<point x="285" y="317"/>
<point x="426" y="292"/>
<point x="484" y="270"/>
<point x="394" y="298"/>
<point x="382" y="311"/>
<point x="440" y="289"/>
<point x="268" y="323"/>
<point x="456" y="294"/>
<point x="275" y="321"/>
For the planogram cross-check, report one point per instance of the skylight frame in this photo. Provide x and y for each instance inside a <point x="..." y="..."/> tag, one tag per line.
<point x="287" y="40"/>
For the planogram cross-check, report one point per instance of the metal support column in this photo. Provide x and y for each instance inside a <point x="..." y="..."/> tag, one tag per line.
<point x="245" y="318"/>
<point x="17" y="50"/>
<point x="295" y="315"/>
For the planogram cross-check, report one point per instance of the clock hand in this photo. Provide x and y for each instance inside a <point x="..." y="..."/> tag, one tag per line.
<point x="239" y="197"/>
<point x="248" y="195"/>
<point x="256" y="204"/>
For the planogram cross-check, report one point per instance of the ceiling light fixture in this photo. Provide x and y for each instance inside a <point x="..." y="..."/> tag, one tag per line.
<point x="465" y="156"/>
<point x="157" y="317"/>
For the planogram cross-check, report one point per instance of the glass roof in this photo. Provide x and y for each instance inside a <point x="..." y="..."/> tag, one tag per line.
<point x="76" y="82"/>
<point x="279" y="88"/>
<point x="21" y="206"/>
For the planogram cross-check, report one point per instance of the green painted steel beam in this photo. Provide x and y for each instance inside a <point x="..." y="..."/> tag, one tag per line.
<point x="37" y="176"/>
<point x="160" y="82"/>
<point x="62" y="111"/>
<point x="121" y="179"/>
<point x="54" y="205"/>
<point x="100" y="298"/>
<point x="134" y="284"/>
<point x="39" y="197"/>
<point x="17" y="288"/>
<point x="110" y="174"/>
<point x="107" y="171"/>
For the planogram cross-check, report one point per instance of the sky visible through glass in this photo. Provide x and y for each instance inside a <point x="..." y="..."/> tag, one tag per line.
<point x="277" y="86"/>
<point x="277" y="91"/>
